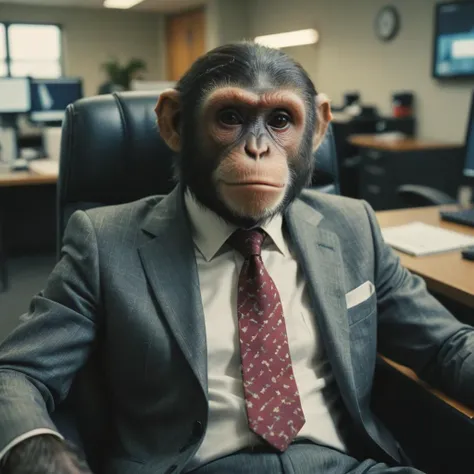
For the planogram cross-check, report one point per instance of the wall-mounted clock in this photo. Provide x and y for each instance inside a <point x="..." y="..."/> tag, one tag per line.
<point x="387" y="23"/>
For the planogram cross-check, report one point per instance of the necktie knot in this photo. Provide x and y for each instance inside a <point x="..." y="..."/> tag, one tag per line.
<point x="247" y="242"/>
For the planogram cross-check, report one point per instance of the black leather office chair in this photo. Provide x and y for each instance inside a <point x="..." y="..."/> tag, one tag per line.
<point x="111" y="153"/>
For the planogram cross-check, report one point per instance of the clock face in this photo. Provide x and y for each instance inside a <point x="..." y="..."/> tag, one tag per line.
<point x="387" y="23"/>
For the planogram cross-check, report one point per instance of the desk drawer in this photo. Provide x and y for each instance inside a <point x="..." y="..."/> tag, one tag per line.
<point x="375" y="186"/>
<point x="373" y="173"/>
<point x="377" y="196"/>
<point x="375" y="170"/>
<point x="373" y="155"/>
<point x="374" y="190"/>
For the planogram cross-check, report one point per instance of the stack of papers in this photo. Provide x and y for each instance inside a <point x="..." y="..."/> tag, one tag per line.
<point x="418" y="239"/>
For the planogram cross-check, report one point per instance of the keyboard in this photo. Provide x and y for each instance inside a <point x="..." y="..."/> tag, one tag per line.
<point x="465" y="217"/>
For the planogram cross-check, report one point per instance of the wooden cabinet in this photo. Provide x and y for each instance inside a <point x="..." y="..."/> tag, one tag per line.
<point x="387" y="165"/>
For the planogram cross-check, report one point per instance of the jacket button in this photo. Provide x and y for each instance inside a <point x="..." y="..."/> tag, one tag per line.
<point x="171" y="469"/>
<point x="198" y="430"/>
<point x="196" y="434"/>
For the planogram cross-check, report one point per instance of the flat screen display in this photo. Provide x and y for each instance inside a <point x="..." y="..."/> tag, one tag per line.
<point x="454" y="40"/>
<point x="15" y="97"/>
<point x="469" y="165"/>
<point x="50" y="98"/>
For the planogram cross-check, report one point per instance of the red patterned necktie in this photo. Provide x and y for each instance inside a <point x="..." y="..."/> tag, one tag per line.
<point x="271" y="395"/>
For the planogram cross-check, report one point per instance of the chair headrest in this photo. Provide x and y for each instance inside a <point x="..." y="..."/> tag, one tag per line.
<point x="111" y="151"/>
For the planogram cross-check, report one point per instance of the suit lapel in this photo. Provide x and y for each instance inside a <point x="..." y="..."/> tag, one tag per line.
<point x="169" y="263"/>
<point x="318" y="251"/>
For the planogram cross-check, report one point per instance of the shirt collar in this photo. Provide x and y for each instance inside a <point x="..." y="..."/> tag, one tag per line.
<point x="210" y="232"/>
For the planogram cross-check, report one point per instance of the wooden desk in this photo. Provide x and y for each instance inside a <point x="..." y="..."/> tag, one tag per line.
<point x="10" y="178"/>
<point x="375" y="142"/>
<point x="25" y="178"/>
<point x="465" y="410"/>
<point x="27" y="205"/>
<point x="447" y="273"/>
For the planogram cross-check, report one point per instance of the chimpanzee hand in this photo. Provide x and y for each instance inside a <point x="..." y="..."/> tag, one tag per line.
<point x="44" y="454"/>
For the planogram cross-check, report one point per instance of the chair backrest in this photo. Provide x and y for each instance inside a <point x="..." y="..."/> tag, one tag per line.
<point x="111" y="153"/>
<point x="326" y="172"/>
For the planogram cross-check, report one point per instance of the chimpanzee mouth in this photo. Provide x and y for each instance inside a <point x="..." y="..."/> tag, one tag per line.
<point x="257" y="183"/>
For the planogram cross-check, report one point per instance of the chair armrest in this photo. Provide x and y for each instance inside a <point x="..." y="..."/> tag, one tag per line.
<point x="463" y="409"/>
<point x="435" y="431"/>
<point x="424" y="195"/>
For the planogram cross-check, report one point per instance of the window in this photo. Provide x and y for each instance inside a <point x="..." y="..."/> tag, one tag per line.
<point x="30" y="50"/>
<point x="3" y="51"/>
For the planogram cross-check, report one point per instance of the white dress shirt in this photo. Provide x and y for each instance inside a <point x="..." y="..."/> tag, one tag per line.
<point x="219" y="268"/>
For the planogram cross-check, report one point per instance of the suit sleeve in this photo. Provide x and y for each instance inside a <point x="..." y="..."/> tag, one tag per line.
<point x="415" y="330"/>
<point x="39" y="359"/>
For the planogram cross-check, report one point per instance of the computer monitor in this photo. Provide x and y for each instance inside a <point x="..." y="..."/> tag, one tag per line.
<point x="15" y="95"/>
<point x="453" y="52"/>
<point x="50" y="98"/>
<point x="469" y="163"/>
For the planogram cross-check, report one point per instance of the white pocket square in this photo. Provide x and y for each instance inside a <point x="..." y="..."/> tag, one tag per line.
<point x="360" y="294"/>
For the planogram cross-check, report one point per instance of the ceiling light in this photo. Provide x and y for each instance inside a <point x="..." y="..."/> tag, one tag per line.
<point x="292" y="38"/>
<point x="123" y="4"/>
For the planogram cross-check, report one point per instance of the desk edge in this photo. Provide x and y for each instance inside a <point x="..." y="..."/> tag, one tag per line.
<point x="407" y="372"/>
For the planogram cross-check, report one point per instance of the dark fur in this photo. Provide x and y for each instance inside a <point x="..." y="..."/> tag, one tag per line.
<point x="44" y="454"/>
<point x="242" y="64"/>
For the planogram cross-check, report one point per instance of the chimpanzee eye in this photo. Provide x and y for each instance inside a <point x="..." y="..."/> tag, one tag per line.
<point x="279" y="120"/>
<point x="230" y="117"/>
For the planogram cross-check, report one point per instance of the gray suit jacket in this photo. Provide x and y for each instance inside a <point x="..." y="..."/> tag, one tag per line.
<point x="128" y="283"/>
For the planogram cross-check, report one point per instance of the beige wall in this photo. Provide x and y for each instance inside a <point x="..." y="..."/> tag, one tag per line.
<point x="93" y="36"/>
<point x="227" y="21"/>
<point x="349" y="57"/>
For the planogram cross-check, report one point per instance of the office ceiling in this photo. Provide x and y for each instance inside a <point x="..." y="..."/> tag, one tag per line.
<point x="150" y="5"/>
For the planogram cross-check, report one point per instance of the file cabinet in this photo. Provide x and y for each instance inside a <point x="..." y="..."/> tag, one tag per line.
<point x="387" y="165"/>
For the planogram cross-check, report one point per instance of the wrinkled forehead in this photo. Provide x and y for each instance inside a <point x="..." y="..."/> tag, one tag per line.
<point x="261" y="98"/>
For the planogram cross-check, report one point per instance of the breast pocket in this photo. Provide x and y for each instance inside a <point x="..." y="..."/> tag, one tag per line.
<point x="361" y="302"/>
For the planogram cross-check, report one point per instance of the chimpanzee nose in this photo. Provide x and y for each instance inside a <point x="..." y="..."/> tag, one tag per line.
<point x="256" y="147"/>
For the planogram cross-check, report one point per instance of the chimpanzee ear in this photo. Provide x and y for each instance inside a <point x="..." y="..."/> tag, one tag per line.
<point x="324" y="117"/>
<point x="168" y="110"/>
